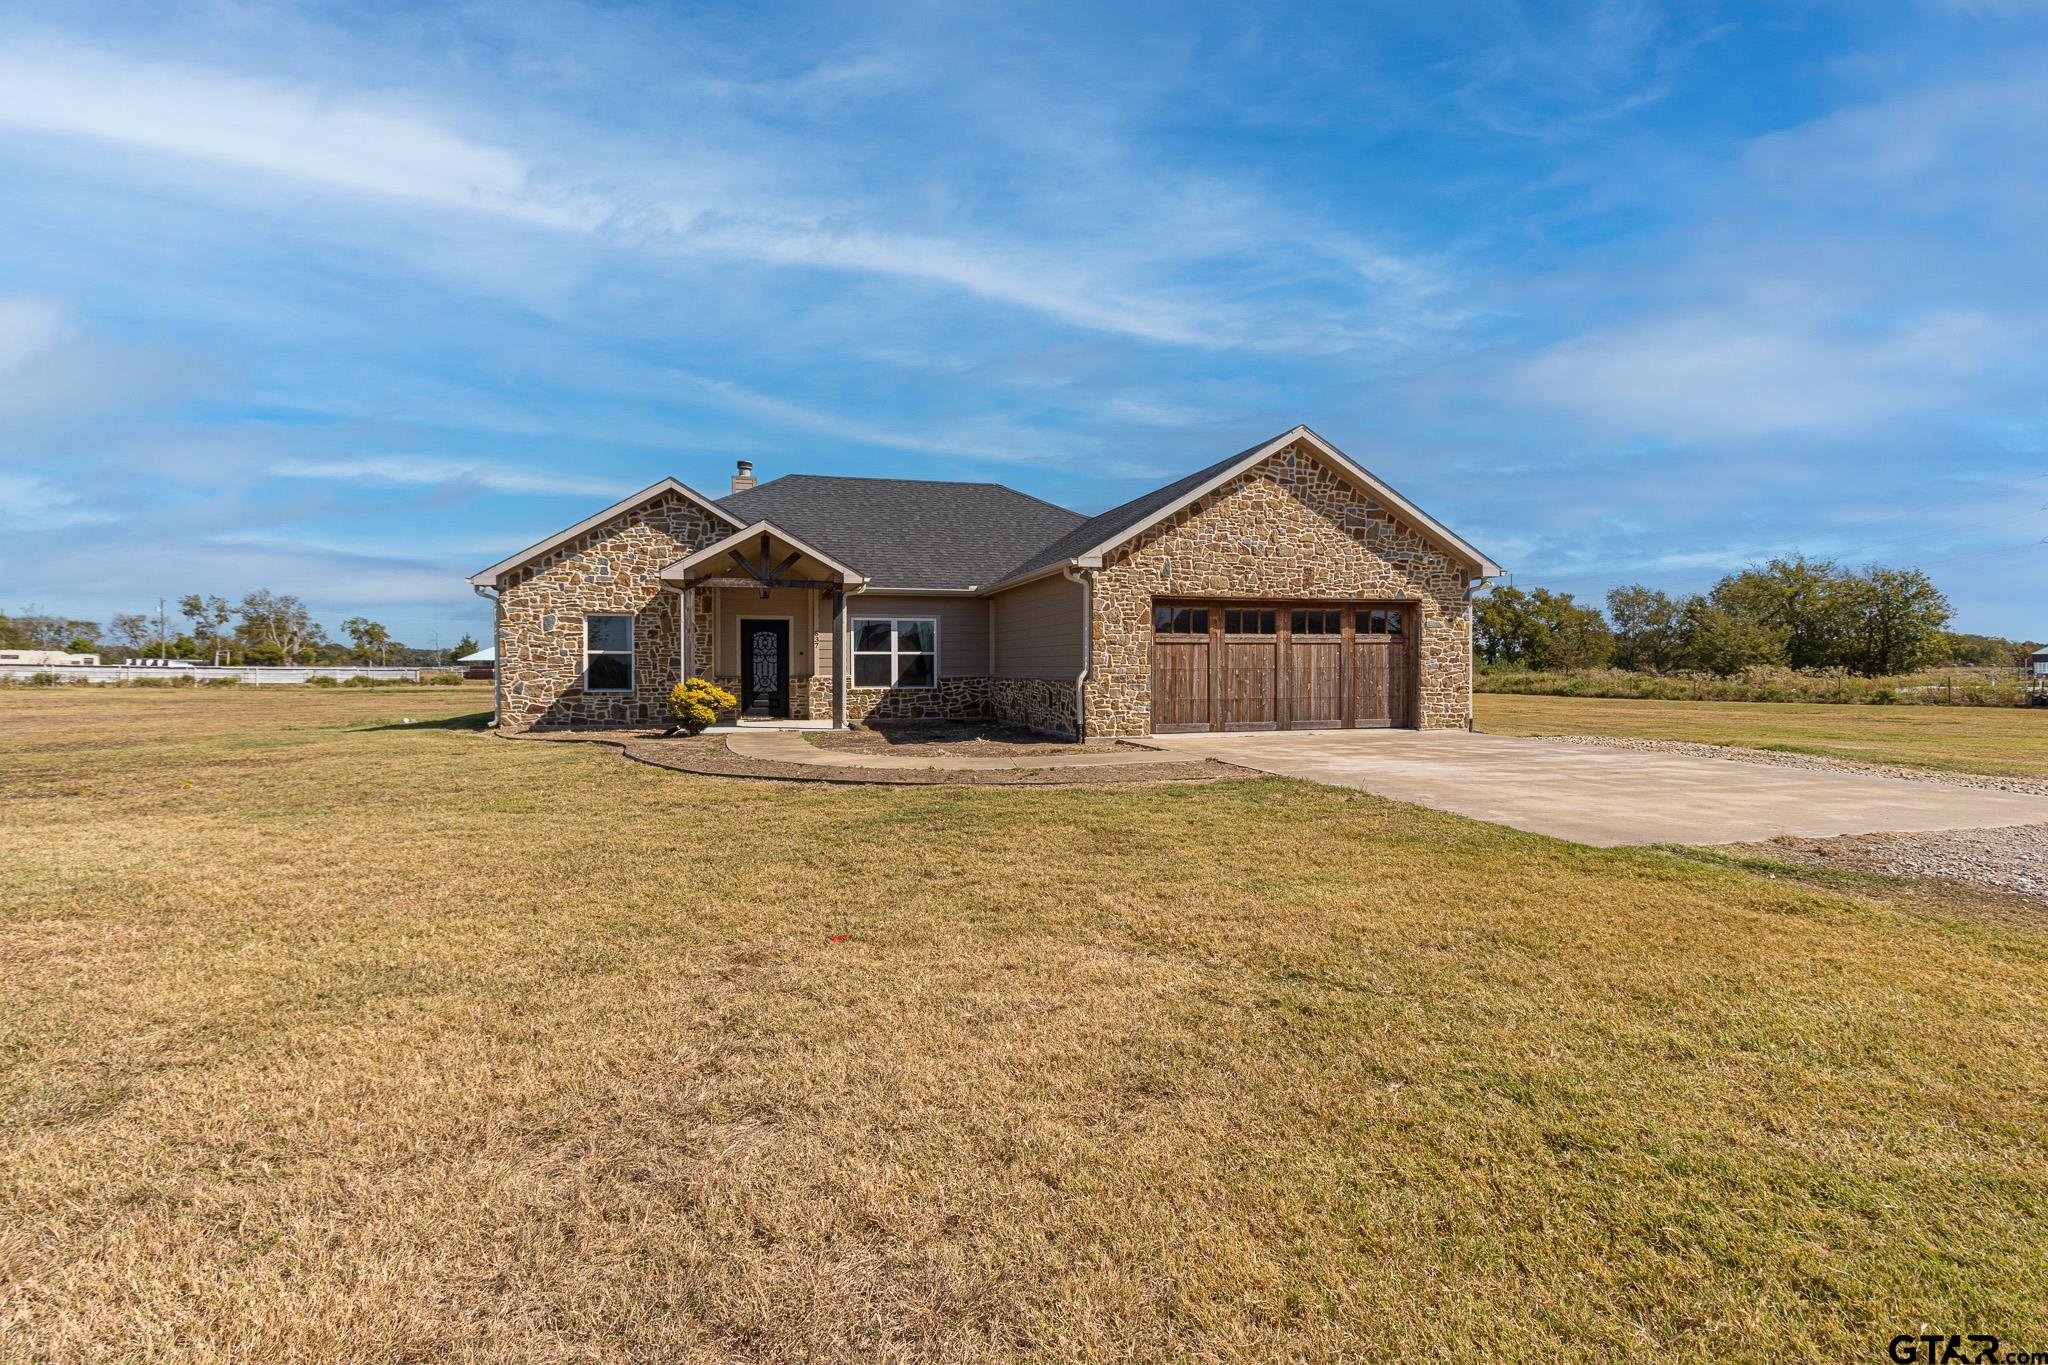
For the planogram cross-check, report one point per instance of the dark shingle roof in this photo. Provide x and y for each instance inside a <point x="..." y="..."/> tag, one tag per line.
<point x="908" y="533"/>
<point x="1134" y="513"/>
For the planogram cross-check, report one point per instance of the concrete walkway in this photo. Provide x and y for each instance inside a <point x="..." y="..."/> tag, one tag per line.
<point x="1610" y="796"/>
<point x="784" y="746"/>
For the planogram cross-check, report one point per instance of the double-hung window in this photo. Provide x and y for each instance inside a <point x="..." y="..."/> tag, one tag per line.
<point x="607" y="654"/>
<point x="902" y="652"/>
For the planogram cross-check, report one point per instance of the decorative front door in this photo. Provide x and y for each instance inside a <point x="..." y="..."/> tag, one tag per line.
<point x="764" y="668"/>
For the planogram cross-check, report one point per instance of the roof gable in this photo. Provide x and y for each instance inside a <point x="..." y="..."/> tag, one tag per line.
<point x="1086" y="544"/>
<point x="738" y="541"/>
<point x="487" y="577"/>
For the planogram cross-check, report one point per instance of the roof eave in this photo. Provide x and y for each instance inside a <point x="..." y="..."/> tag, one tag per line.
<point x="1019" y="580"/>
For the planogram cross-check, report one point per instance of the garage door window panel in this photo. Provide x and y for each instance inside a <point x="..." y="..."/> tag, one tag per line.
<point x="1180" y="620"/>
<point x="1250" y="621"/>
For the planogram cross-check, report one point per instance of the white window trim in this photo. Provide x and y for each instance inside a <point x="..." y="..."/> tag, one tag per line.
<point x="632" y="656"/>
<point x="893" y="654"/>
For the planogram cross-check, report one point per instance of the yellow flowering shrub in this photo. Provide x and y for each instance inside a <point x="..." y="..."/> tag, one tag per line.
<point x="695" y="703"/>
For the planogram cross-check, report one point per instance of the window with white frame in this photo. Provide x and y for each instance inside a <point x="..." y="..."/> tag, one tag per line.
<point x="902" y="652"/>
<point x="607" y="654"/>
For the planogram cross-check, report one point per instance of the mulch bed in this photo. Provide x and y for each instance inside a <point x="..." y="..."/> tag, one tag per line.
<point x="707" y="756"/>
<point x="961" y="739"/>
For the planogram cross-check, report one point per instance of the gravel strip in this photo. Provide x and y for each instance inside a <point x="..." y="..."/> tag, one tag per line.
<point x="2014" y="859"/>
<point x="2030" y="786"/>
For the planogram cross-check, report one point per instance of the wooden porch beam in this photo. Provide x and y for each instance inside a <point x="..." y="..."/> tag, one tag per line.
<point x="822" y="584"/>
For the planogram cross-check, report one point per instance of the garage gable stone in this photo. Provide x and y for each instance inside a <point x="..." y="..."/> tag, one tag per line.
<point x="1291" y="527"/>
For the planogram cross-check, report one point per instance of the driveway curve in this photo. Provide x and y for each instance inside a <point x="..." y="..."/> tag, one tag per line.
<point x="1610" y="796"/>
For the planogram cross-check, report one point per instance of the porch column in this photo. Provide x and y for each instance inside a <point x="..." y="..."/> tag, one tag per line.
<point x="839" y="658"/>
<point x="687" y="611"/>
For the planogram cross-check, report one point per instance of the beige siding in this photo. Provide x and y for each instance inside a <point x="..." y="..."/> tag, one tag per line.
<point x="822" y="641"/>
<point x="795" y="603"/>
<point x="1038" y="630"/>
<point x="963" y="626"/>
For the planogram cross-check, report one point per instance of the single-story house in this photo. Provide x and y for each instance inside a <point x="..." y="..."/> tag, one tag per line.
<point x="1284" y="587"/>
<point x="482" y="664"/>
<point x="48" y="658"/>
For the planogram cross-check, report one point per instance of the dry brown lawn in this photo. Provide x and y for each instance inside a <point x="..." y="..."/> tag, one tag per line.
<point x="329" y="1037"/>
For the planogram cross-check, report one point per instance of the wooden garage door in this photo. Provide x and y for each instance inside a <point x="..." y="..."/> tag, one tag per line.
<point x="1382" y="688"/>
<point x="1180" y="669"/>
<point x="1280" y="666"/>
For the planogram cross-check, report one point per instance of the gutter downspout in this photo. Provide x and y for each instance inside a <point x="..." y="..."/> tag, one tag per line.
<point x="497" y="652"/>
<point x="1086" y="578"/>
<point x="1471" y="593"/>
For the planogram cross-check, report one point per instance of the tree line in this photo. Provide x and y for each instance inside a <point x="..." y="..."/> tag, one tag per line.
<point x="1794" y="612"/>
<point x="264" y="627"/>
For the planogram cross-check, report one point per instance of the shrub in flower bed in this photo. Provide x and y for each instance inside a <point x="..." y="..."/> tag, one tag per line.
<point x="696" y="703"/>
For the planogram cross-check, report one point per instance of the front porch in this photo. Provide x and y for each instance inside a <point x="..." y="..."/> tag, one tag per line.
<point x="766" y="618"/>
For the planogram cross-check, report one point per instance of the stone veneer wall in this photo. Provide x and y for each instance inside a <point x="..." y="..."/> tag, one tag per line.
<point x="952" y="699"/>
<point x="1290" y="527"/>
<point x="609" y="570"/>
<point x="810" y="698"/>
<point x="1035" y="703"/>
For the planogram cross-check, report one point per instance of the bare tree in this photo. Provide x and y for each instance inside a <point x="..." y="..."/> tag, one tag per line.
<point x="209" y="617"/>
<point x="278" y="622"/>
<point x="134" y="631"/>
<point x="371" y="640"/>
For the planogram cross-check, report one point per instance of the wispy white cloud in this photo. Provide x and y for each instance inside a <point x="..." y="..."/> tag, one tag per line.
<point x="335" y="139"/>
<point x="28" y="500"/>
<point x="1126" y="281"/>
<point x="1709" y="376"/>
<point x="54" y="368"/>
<point x="429" y="471"/>
<point x="29" y="327"/>
<point x="991" y="441"/>
<point x="1009" y="274"/>
<point x="1552" y="70"/>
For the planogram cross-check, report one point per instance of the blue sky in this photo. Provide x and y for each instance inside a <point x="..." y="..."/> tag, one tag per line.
<point x="352" y="300"/>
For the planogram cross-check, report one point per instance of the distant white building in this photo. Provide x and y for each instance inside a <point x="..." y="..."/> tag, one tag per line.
<point x="46" y="658"/>
<point x="2040" y="661"/>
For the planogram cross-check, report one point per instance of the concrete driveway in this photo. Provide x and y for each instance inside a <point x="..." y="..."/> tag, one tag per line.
<point x="1610" y="796"/>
